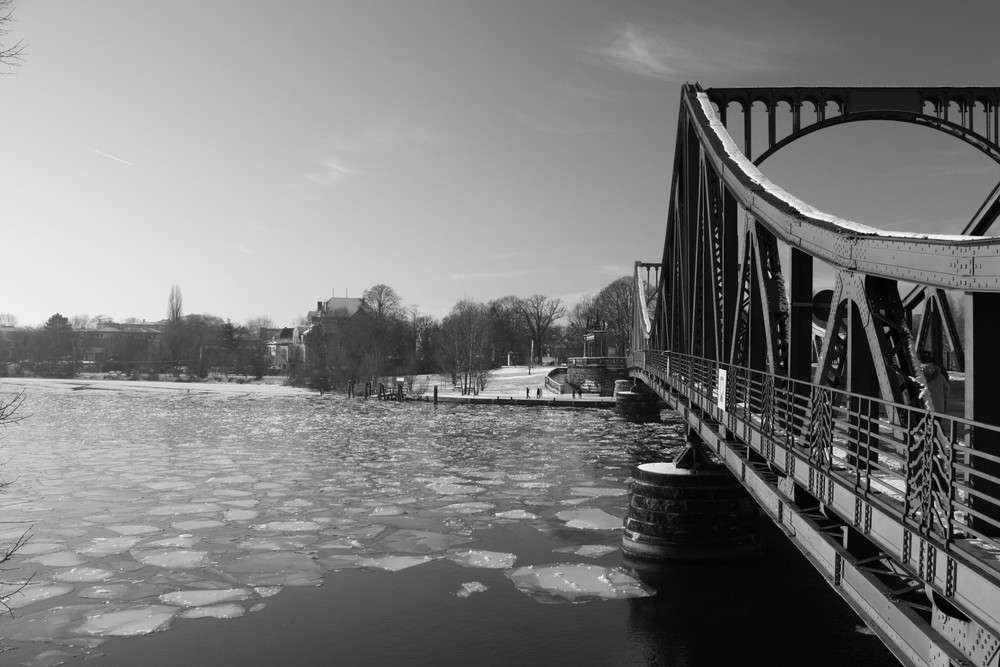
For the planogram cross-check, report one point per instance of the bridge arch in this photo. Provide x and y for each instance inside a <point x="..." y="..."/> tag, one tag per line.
<point x="979" y="142"/>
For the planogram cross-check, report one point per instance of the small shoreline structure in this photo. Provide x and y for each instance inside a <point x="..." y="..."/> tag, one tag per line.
<point x="544" y="401"/>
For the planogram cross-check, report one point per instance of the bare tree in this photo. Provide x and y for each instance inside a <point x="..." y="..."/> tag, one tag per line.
<point x="10" y="414"/>
<point x="255" y="324"/>
<point x="174" y="304"/>
<point x="7" y="320"/>
<point x="383" y="301"/>
<point x="539" y="312"/>
<point x="582" y="317"/>
<point x="464" y="344"/>
<point x="79" y="321"/>
<point x="10" y="55"/>
<point x="509" y="332"/>
<point x="615" y="305"/>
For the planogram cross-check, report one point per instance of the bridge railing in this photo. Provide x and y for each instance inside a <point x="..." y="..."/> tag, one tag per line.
<point x="923" y="467"/>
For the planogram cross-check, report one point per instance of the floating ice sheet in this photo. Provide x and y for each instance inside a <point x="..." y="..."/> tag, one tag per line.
<point x="421" y="541"/>
<point x="388" y="563"/>
<point x="215" y="611"/>
<point x="464" y="508"/>
<point x="496" y="560"/>
<point x="577" y="582"/>
<point x="196" y="524"/>
<point x="172" y="558"/>
<point x="289" y="526"/>
<point x="470" y="587"/>
<point x="590" y="519"/>
<point x="58" y="559"/>
<point x="516" y="514"/>
<point x="122" y="592"/>
<point x="83" y="574"/>
<point x="451" y="489"/>
<point x="127" y="622"/>
<point x="106" y="546"/>
<point x="588" y="550"/>
<point x="276" y="569"/>
<point x="277" y="543"/>
<point x="387" y="510"/>
<point x="598" y="491"/>
<point x="15" y="596"/>
<point x="134" y="529"/>
<point x="202" y="598"/>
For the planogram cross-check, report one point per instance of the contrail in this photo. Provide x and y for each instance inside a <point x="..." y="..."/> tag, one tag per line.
<point x="109" y="156"/>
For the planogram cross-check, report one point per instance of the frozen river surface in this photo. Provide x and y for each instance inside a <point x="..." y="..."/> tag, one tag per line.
<point x="204" y="514"/>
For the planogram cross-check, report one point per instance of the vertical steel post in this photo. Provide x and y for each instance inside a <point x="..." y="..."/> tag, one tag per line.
<point x="862" y="378"/>
<point x="800" y="326"/>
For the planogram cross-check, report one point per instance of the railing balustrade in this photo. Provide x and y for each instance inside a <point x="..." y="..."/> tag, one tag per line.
<point x="611" y="362"/>
<point x="920" y="466"/>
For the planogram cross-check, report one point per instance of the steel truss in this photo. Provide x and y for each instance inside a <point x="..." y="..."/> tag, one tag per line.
<point x="826" y="397"/>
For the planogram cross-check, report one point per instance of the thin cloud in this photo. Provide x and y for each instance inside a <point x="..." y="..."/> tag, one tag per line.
<point x="364" y="149"/>
<point x="109" y="156"/>
<point x="498" y="275"/>
<point x="515" y="254"/>
<point x="613" y="270"/>
<point x="568" y="126"/>
<point x="688" y="50"/>
<point x="331" y="170"/>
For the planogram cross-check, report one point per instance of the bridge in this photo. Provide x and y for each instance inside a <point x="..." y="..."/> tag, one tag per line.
<point x="813" y="399"/>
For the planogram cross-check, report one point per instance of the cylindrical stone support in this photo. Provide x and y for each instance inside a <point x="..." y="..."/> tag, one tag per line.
<point x="638" y="406"/>
<point x="694" y="514"/>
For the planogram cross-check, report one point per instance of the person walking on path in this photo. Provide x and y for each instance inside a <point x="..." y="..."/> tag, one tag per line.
<point x="936" y="384"/>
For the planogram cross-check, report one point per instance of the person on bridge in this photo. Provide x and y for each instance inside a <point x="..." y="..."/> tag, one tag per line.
<point x="936" y="384"/>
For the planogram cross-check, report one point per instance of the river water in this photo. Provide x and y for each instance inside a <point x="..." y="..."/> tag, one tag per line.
<point x="199" y="526"/>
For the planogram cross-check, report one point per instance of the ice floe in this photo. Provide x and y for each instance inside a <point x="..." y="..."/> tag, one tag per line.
<point x="388" y="563"/>
<point x="577" y="582"/>
<point x="83" y="574"/>
<point x="201" y="598"/>
<point x="58" y="559"/>
<point x="289" y="526"/>
<point x="16" y="596"/>
<point x="125" y="591"/>
<point x="486" y="559"/>
<point x="107" y="546"/>
<point x="172" y="558"/>
<point x="215" y="611"/>
<point x="516" y="514"/>
<point x="470" y="587"/>
<point x="421" y="541"/>
<point x="127" y="622"/>
<point x="276" y="569"/>
<point x="590" y="519"/>
<point x="587" y="550"/>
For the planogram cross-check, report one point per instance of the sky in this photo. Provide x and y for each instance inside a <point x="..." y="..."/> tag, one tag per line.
<point x="265" y="156"/>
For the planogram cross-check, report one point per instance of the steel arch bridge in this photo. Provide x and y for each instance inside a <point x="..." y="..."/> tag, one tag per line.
<point x="812" y="399"/>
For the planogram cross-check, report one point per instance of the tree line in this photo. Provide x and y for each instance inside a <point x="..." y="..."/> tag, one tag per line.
<point x="383" y="338"/>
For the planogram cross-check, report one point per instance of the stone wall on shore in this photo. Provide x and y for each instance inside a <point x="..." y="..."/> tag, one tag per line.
<point x="598" y="380"/>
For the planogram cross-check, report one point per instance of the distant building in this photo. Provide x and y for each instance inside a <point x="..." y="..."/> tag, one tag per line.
<point x="13" y="344"/>
<point x="132" y="343"/>
<point x="335" y="306"/>
<point x="286" y="347"/>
